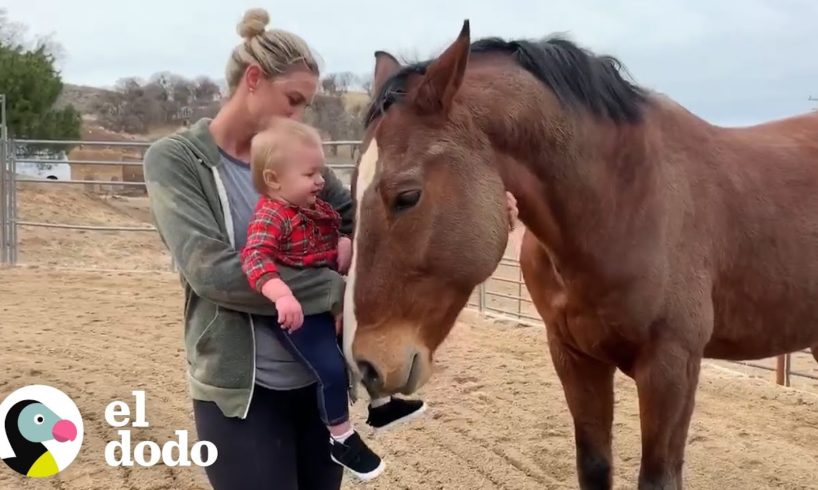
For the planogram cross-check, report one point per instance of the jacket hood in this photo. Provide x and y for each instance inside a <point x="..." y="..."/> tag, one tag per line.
<point x="201" y="142"/>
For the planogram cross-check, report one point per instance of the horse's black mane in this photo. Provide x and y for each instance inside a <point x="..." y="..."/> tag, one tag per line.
<point x="578" y="77"/>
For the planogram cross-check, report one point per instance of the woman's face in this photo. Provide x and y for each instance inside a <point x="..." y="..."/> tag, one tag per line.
<point x="286" y="95"/>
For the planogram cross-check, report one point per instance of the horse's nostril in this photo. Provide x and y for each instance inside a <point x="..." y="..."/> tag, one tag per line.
<point x="369" y="375"/>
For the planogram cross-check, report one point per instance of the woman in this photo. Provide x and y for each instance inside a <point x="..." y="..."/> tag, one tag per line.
<point x="250" y="397"/>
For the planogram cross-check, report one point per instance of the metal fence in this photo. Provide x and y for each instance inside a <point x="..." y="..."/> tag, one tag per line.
<point x="519" y="309"/>
<point x="502" y="297"/>
<point x="10" y="222"/>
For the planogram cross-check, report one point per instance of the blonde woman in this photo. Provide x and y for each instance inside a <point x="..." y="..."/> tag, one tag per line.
<point x="251" y="398"/>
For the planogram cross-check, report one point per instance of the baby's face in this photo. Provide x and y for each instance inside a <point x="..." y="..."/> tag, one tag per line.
<point x="302" y="180"/>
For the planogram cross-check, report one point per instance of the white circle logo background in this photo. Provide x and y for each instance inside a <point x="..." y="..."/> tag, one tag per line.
<point x="61" y="404"/>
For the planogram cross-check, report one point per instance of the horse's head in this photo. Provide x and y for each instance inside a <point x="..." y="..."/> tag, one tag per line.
<point x="431" y="220"/>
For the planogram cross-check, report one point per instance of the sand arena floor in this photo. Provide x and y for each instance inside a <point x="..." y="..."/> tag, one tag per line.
<point x="497" y="419"/>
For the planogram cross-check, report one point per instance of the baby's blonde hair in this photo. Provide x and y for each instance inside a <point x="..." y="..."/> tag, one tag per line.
<point x="274" y="50"/>
<point x="270" y="149"/>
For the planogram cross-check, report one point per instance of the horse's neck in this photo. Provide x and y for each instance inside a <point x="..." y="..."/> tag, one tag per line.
<point x="568" y="174"/>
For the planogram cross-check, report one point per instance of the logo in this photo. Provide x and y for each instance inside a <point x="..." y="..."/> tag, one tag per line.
<point x="41" y="431"/>
<point x="150" y="453"/>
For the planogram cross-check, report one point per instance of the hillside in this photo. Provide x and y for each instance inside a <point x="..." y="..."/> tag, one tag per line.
<point x="88" y="100"/>
<point x="82" y="97"/>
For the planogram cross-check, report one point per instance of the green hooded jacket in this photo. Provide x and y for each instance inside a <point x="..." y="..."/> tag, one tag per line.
<point x="190" y="210"/>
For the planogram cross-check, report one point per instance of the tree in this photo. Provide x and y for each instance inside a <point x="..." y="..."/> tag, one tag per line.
<point x="11" y="33"/>
<point x="329" y="115"/>
<point x="31" y="83"/>
<point x="366" y="83"/>
<point x="137" y="106"/>
<point x="345" y="81"/>
<point x="338" y="83"/>
<point x="329" y="84"/>
<point x="206" y="91"/>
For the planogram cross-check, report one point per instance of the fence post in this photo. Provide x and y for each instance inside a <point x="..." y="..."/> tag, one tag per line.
<point x="481" y="297"/>
<point x="519" y="291"/>
<point x="3" y="201"/>
<point x="782" y="370"/>
<point x="11" y="214"/>
<point x="4" y="204"/>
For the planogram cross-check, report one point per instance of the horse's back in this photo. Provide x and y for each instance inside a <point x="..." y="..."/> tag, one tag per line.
<point x="765" y="239"/>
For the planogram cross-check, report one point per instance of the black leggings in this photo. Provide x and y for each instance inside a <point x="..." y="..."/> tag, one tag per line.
<point x="282" y="444"/>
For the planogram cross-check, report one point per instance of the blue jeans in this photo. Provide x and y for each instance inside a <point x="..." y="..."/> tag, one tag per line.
<point x="316" y="345"/>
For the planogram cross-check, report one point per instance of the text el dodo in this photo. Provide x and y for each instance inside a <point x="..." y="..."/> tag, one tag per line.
<point x="149" y="453"/>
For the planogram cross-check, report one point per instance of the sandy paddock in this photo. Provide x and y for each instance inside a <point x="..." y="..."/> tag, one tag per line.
<point x="497" y="418"/>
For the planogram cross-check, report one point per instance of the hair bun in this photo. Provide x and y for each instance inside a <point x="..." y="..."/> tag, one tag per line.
<point x="253" y="23"/>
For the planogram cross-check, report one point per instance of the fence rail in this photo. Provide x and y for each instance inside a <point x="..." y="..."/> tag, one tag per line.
<point x="87" y="182"/>
<point x="85" y="227"/>
<point x="81" y="162"/>
<point x="9" y="178"/>
<point x="483" y="300"/>
<point x="783" y="369"/>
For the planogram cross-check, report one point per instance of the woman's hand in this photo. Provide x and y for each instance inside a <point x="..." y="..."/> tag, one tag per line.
<point x="344" y="254"/>
<point x="513" y="212"/>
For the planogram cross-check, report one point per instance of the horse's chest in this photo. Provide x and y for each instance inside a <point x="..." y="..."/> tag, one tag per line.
<point x="591" y="330"/>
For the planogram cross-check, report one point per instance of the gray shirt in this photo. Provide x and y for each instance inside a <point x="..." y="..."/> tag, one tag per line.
<point x="275" y="366"/>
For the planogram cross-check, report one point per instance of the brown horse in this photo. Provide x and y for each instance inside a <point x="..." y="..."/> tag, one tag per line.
<point x="654" y="239"/>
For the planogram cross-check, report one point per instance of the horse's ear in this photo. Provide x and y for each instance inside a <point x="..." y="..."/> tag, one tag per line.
<point x="386" y="65"/>
<point x="444" y="76"/>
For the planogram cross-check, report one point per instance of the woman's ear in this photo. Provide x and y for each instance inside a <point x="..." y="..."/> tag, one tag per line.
<point x="253" y="76"/>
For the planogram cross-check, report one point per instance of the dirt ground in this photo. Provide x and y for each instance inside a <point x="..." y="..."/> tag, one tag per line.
<point x="497" y="418"/>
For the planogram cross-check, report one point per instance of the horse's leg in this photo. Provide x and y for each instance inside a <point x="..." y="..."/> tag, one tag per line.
<point x="667" y="376"/>
<point x="588" y="387"/>
<point x="587" y="383"/>
<point x="815" y="352"/>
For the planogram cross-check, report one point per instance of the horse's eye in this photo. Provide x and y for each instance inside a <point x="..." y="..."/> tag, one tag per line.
<point x="406" y="200"/>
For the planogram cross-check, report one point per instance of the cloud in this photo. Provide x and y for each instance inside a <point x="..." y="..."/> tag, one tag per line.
<point x="731" y="62"/>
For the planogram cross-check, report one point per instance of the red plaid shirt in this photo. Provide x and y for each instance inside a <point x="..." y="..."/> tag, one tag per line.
<point x="283" y="233"/>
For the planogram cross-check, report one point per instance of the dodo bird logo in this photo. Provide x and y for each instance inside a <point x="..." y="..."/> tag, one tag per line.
<point x="41" y="431"/>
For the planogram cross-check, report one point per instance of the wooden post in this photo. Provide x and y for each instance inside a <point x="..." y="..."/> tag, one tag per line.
<point x="782" y="370"/>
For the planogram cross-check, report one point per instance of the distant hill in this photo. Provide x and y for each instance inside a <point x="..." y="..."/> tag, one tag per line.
<point x="87" y="100"/>
<point x="82" y="97"/>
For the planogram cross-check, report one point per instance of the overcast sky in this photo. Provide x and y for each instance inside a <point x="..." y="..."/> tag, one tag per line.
<point x="732" y="62"/>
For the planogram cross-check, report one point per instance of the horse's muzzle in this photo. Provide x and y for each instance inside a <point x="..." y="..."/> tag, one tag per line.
<point x="406" y="379"/>
<point x="370" y="377"/>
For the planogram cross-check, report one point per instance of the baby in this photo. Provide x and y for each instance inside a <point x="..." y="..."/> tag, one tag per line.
<point x="292" y="225"/>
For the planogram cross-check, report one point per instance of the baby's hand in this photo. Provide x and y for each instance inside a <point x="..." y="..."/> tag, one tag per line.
<point x="290" y="315"/>
<point x="344" y="254"/>
<point x="339" y="324"/>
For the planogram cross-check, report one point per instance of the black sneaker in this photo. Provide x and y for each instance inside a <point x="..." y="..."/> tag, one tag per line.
<point x="354" y="455"/>
<point x="395" y="412"/>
